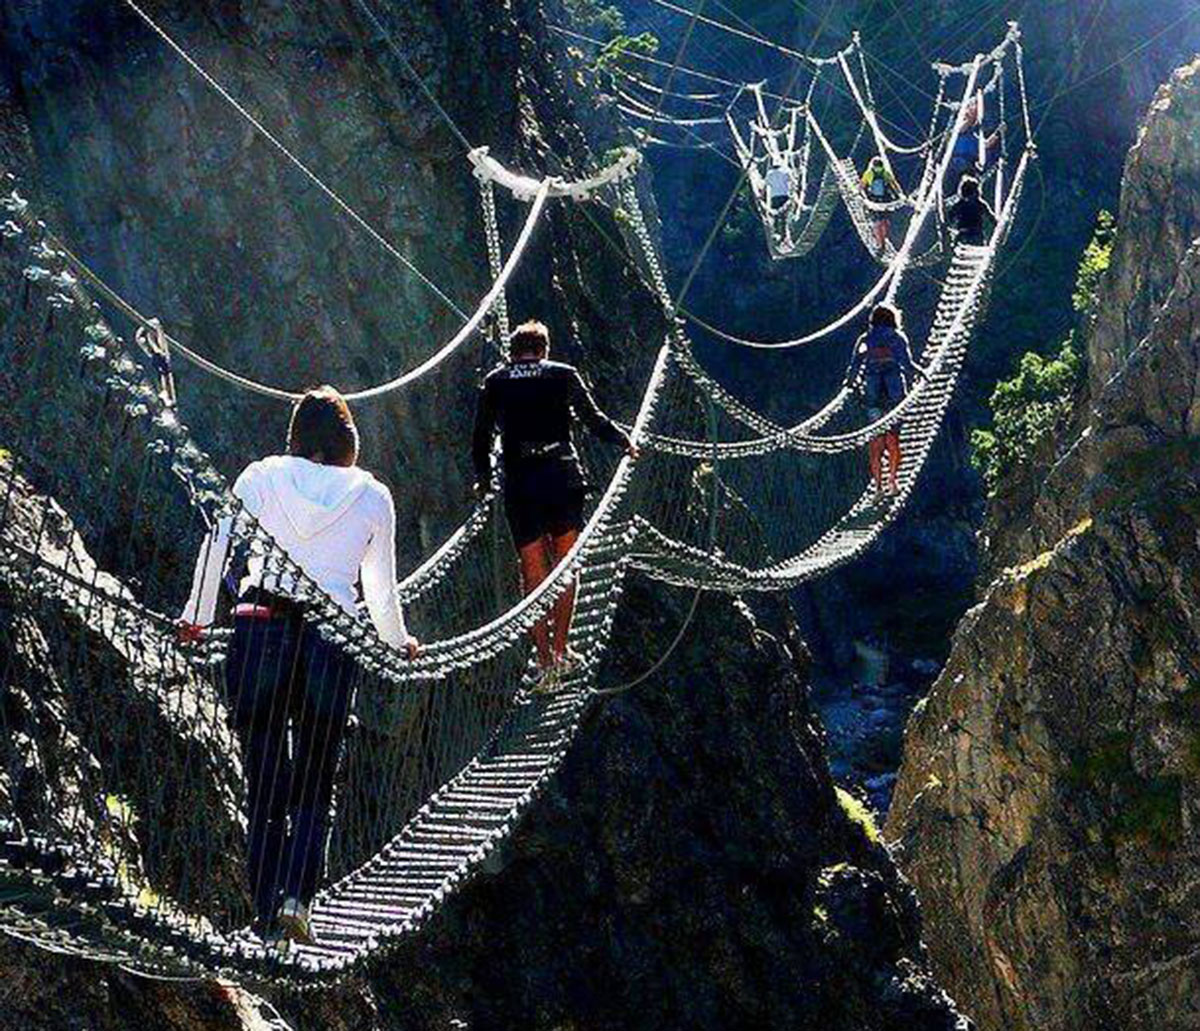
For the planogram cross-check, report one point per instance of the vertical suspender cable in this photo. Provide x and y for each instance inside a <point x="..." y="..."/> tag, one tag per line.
<point x="872" y="123"/>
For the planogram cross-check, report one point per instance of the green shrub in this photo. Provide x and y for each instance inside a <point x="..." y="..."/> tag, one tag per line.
<point x="1024" y="410"/>
<point x="743" y="218"/>
<point x="1095" y="262"/>
<point x="1028" y="407"/>
<point x="618" y="49"/>
<point x="858" y="814"/>
<point x="596" y="16"/>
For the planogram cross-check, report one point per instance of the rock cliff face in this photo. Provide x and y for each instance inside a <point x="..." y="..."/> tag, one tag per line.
<point x="1047" y="809"/>
<point x="693" y="865"/>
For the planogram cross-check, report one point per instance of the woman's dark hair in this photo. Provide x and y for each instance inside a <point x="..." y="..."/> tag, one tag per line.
<point x="885" y="315"/>
<point x="968" y="186"/>
<point x="530" y="338"/>
<point x="322" y="429"/>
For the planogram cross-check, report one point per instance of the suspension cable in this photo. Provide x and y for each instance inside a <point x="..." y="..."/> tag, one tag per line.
<point x="682" y="69"/>
<point x="465" y="332"/>
<point x="283" y="149"/>
<point x="417" y="77"/>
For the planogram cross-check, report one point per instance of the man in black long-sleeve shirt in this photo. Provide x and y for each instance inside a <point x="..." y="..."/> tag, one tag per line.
<point x="535" y="404"/>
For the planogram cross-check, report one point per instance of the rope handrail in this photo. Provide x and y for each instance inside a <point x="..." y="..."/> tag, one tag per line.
<point x="464" y="333"/>
<point x="804" y="436"/>
<point x="1012" y="38"/>
<point x="705" y="99"/>
<point x="987" y="89"/>
<point x="634" y="108"/>
<point x="816" y="335"/>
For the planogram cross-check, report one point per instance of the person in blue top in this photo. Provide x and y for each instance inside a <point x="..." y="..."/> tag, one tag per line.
<point x="883" y="361"/>
<point x="967" y="154"/>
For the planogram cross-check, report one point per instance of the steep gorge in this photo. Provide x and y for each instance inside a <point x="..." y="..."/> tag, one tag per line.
<point x="693" y="865"/>
<point x="1092" y="68"/>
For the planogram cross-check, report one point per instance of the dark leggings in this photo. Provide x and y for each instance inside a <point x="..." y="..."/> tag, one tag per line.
<point x="289" y="692"/>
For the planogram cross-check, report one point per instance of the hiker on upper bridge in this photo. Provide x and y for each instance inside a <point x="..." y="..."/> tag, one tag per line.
<point x="970" y="215"/>
<point x="883" y="361"/>
<point x="283" y="678"/>
<point x="535" y="404"/>
<point x="968" y="157"/>
<point x="879" y="186"/>
<point x="778" y="182"/>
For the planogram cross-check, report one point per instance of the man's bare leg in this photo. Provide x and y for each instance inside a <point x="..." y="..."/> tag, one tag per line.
<point x="876" y="461"/>
<point x="535" y="567"/>
<point x="883" y="229"/>
<point x="893" y="450"/>
<point x="564" y="608"/>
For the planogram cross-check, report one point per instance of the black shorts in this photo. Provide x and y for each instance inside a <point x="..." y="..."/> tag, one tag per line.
<point x="533" y="515"/>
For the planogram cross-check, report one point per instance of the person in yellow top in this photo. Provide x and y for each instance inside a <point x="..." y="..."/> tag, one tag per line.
<point x="880" y="187"/>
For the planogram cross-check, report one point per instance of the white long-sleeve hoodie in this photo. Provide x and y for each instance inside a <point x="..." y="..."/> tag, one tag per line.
<point x="338" y="524"/>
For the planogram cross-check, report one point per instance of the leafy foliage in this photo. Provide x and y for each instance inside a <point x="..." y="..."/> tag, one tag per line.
<point x="858" y="814"/>
<point x="607" y="22"/>
<point x="1025" y="409"/>
<point x="1092" y="268"/>
<point x="742" y="220"/>
<point x="1028" y="406"/>
<point x="596" y="16"/>
<point x="620" y="47"/>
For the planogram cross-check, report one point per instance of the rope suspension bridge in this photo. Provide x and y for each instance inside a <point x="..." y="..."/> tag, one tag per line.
<point x="129" y="848"/>
<point x="777" y="152"/>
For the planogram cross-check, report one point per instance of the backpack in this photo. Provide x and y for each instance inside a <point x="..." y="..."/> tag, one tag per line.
<point x="880" y="347"/>
<point x="880" y="186"/>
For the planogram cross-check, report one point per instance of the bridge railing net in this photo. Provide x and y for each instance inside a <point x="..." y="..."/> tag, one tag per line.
<point x="97" y="541"/>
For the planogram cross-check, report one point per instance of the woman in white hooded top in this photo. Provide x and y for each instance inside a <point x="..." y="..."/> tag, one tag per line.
<point x="337" y="522"/>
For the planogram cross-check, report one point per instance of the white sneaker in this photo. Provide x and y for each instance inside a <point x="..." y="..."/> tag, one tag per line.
<point x="571" y="661"/>
<point x="295" y="922"/>
<point x="548" y="681"/>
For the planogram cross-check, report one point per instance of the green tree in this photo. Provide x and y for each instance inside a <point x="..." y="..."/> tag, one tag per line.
<point x="1029" y="406"/>
<point x="596" y="16"/>
<point x="618" y="49"/>
<point x="1025" y="409"/>
<point x="1096" y="259"/>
